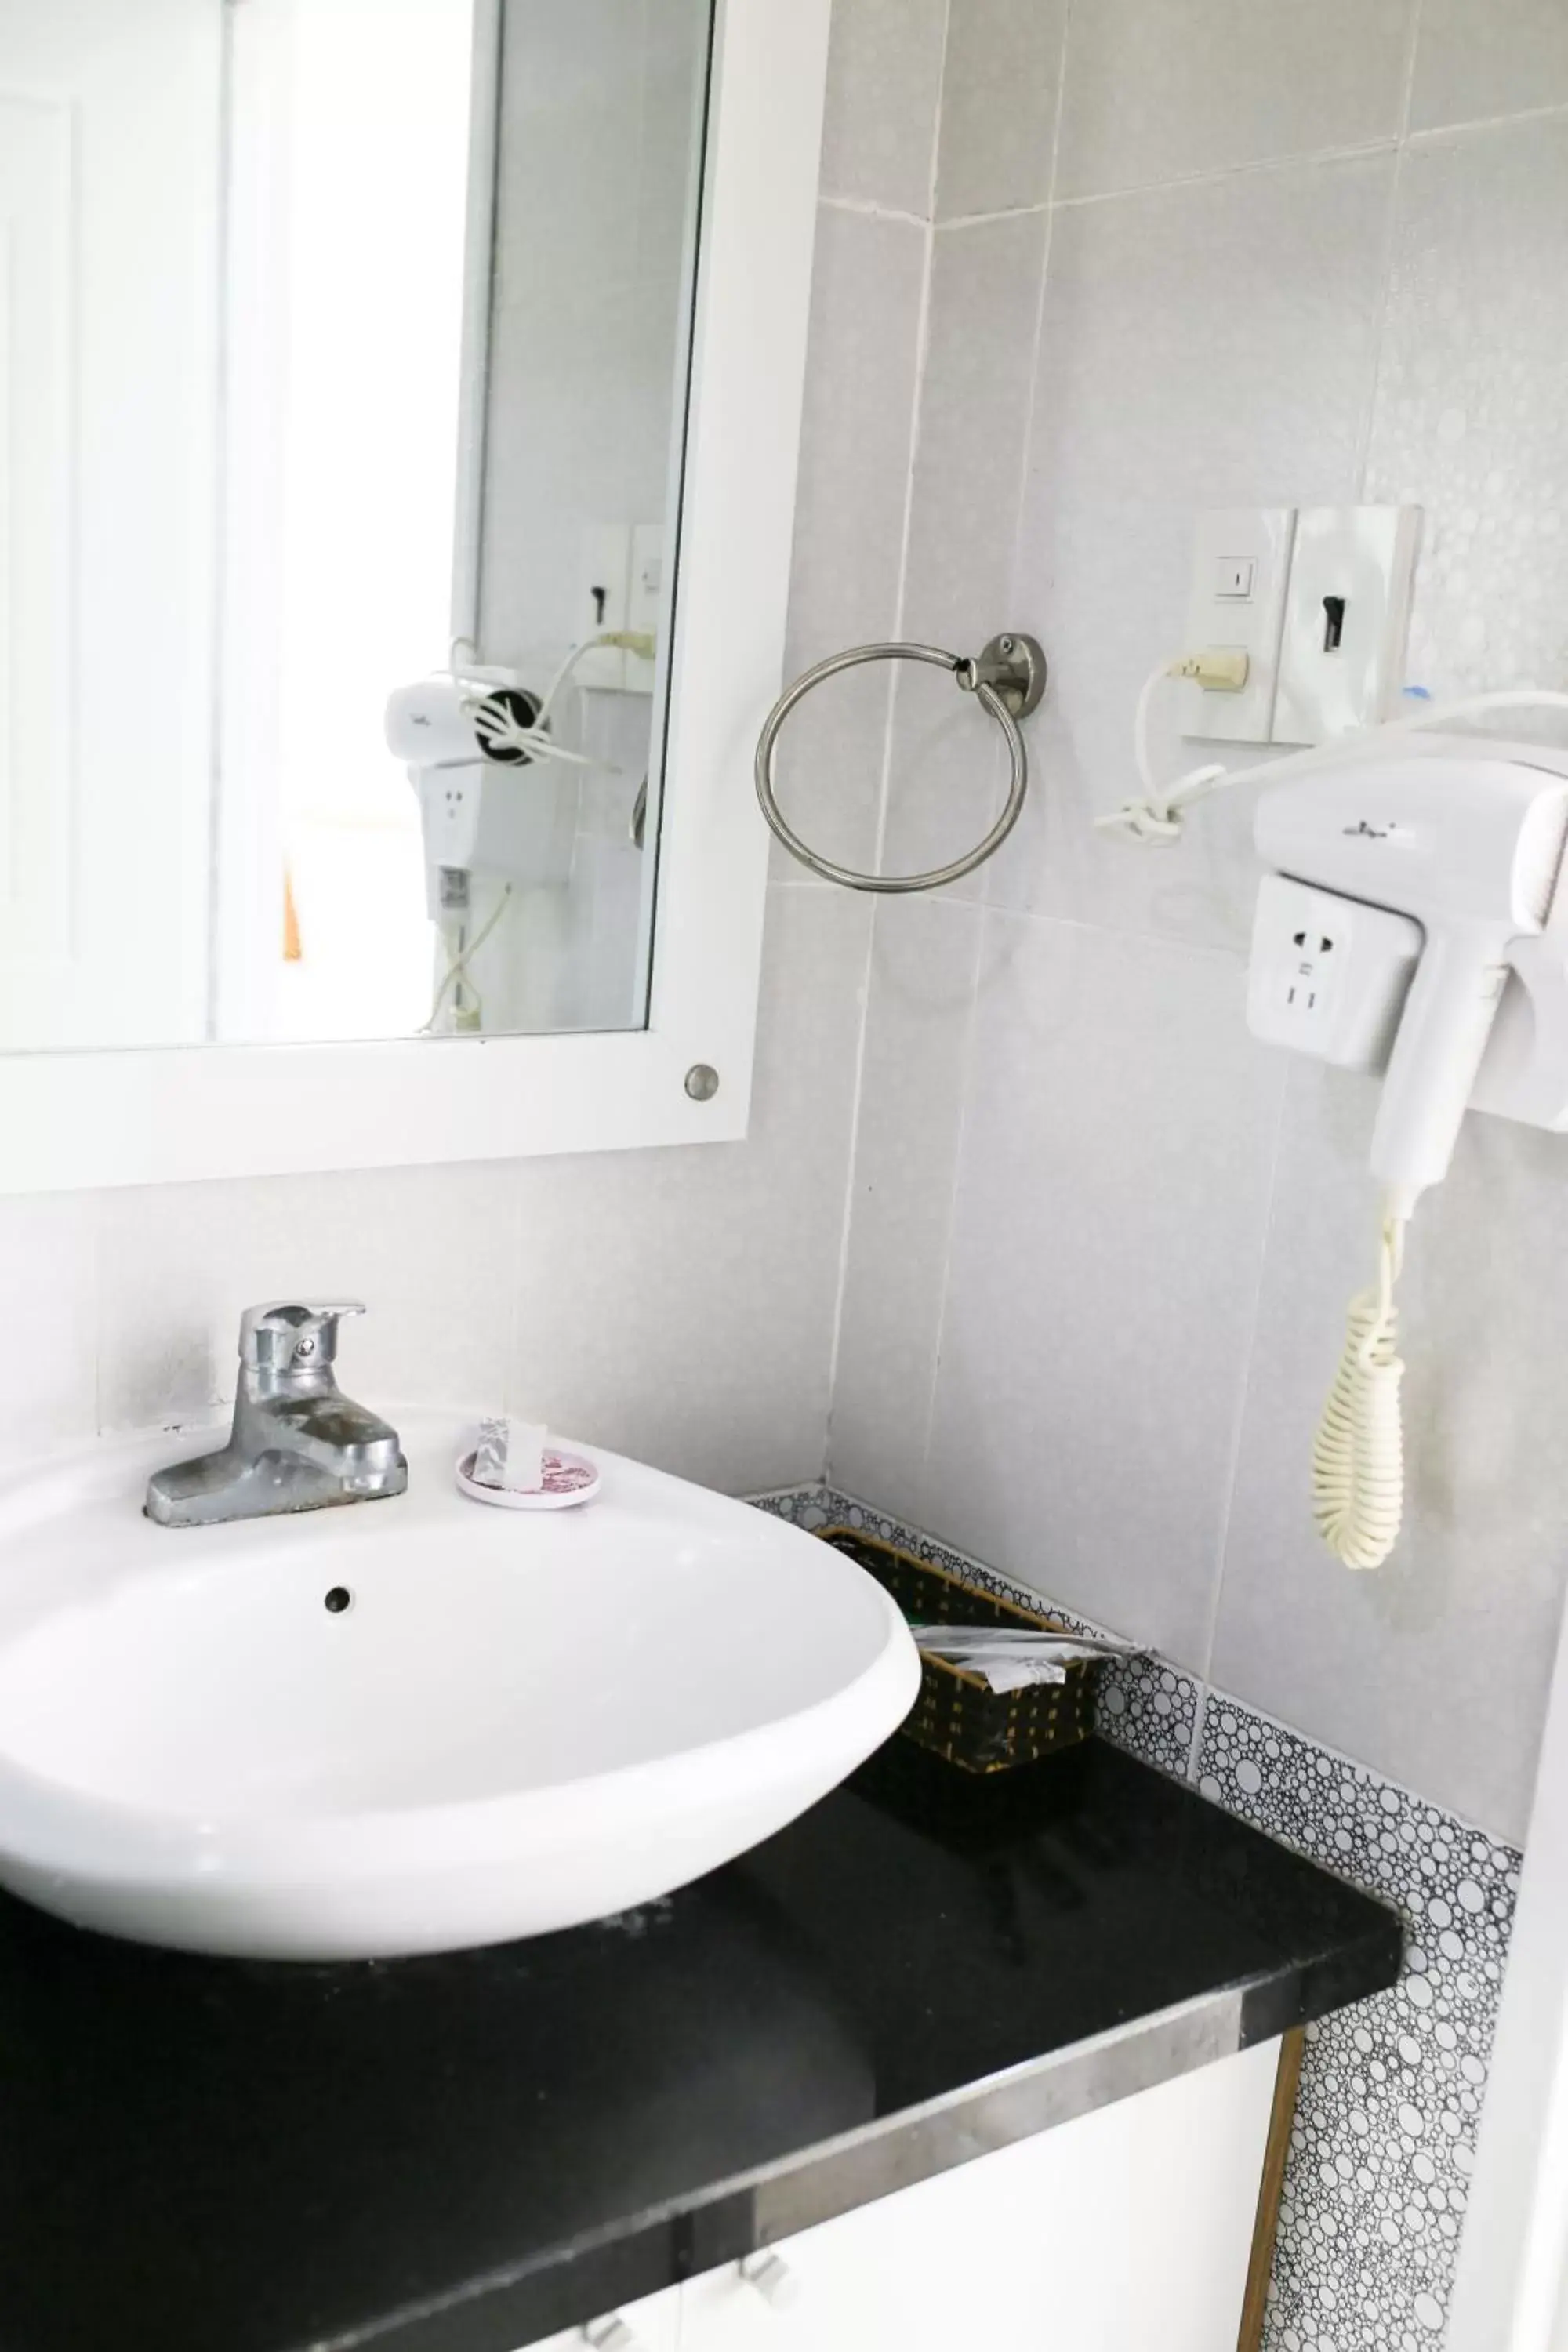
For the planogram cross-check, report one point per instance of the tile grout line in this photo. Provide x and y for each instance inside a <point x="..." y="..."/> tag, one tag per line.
<point x="984" y="220"/>
<point x="917" y="398"/>
<point x="1433" y="135"/>
<point x="1358" y="150"/>
<point x="1412" y="64"/>
<point x="1203" y="1691"/>
<point x="988" y="909"/>
<point x="945" y="1279"/>
<point x="1220" y="173"/>
<point x="845" y="1226"/>
<point x="930" y="1414"/>
<point x="1390" y="249"/>
<point x="867" y="208"/>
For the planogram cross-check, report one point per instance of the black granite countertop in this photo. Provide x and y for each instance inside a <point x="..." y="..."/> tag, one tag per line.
<point x="460" y="2153"/>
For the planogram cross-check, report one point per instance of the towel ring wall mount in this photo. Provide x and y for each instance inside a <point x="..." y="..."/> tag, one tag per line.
<point x="1007" y="678"/>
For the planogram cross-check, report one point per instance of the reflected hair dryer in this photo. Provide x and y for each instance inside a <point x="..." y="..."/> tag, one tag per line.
<point x="1418" y="869"/>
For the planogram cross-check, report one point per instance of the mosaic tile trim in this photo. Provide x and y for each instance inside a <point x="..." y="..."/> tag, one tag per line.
<point x="1383" y="2143"/>
<point x="1383" y="2146"/>
<point x="1144" y="1705"/>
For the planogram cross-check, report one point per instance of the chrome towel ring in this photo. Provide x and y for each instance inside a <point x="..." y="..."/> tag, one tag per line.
<point x="1007" y="679"/>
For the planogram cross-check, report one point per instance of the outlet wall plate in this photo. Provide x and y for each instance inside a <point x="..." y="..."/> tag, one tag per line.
<point x="1328" y="975"/>
<point x="1347" y="621"/>
<point x="1241" y="561"/>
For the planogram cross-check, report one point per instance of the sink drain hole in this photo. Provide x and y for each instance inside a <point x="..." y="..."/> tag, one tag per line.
<point x="339" y="1599"/>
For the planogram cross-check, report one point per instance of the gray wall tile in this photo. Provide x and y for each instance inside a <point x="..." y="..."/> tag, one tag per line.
<point x="999" y="105"/>
<point x="679" y="1305"/>
<point x="1212" y="345"/>
<point x="884" y="79"/>
<point x="1479" y="57"/>
<point x="854" y="484"/>
<point x="1117" y="1139"/>
<point x="1472" y="406"/>
<point x="420" y="1245"/>
<point x="923" y="964"/>
<point x="945" y="776"/>
<point x="1159" y="93"/>
<point x="1436" y="1668"/>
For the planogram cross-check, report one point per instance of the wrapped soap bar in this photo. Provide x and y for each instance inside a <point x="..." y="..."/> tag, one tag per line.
<point x="511" y="1456"/>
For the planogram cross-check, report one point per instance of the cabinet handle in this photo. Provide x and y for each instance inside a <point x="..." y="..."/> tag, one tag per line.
<point x="610" y="2334"/>
<point x="773" y="2278"/>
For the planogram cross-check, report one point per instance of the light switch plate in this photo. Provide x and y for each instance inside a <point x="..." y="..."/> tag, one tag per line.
<point x="1347" y="621"/>
<point x="604" y="583"/>
<point x="1247" y="549"/>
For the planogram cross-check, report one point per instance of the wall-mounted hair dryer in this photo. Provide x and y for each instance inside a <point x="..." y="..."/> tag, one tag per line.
<point x="1466" y="840"/>
<point x="1414" y="924"/>
<point x="1407" y="881"/>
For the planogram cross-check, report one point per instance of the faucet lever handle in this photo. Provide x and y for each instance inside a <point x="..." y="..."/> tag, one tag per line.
<point x="285" y="1334"/>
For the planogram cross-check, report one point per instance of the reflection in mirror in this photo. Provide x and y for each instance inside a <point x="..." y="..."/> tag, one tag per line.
<point x="344" y="359"/>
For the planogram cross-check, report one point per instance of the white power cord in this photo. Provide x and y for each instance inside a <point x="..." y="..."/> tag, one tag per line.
<point x="458" y="970"/>
<point x="1358" y="1456"/>
<point x="1157" y="815"/>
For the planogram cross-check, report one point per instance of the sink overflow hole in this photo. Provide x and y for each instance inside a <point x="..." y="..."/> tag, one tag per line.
<point x="339" y="1599"/>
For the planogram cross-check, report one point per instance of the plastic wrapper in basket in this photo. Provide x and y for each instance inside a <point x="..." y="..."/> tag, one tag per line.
<point x="957" y="1715"/>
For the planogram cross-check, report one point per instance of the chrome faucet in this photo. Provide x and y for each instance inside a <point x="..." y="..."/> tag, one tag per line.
<point x="298" y="1443"/>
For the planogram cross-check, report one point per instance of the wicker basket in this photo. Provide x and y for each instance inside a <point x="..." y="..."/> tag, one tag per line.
<point x="957" y="1715"/>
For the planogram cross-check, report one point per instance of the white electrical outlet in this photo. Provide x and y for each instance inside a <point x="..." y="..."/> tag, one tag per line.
<point x="1328" y="975"/>
<point x="1347" y="621"/>
<point x="1241" y="560"/>
<point x="600" y="602"/>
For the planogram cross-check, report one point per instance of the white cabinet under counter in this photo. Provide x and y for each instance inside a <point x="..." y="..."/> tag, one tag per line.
<point x="652" y="2325"/>
<point x="1128" y="2227"/>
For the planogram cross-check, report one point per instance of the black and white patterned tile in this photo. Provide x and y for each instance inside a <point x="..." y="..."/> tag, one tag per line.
<point x="1383" y="2143"/>
<point x="1391" y="2093"/>
<point x="1153" y="1709"/>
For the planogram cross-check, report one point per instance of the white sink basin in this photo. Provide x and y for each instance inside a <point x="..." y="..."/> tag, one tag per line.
<point x="522" y="1720"/>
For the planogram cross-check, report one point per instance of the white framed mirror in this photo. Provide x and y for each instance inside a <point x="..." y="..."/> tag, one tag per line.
<point x="403" y="406"/>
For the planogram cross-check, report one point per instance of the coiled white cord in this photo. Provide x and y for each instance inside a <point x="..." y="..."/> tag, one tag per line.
<point x="1157" y="814"/>
<point x="457" y="973"/>
<point x="1358" y="1457"/>
<point x="501" y="731"/>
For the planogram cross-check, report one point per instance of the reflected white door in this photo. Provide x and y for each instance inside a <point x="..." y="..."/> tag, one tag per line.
<point x="110" y="189"/>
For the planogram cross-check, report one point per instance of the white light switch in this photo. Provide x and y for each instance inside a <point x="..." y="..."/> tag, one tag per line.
<point x="1241" y="560"/>
<point x="1347" y="621"/>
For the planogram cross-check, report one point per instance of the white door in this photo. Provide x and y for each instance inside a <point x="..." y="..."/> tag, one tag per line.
<point x="110" y="180"/>
<point x="1129" y="2228"/>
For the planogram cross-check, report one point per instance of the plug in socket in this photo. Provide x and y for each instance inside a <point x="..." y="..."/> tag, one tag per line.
<point x="1241" y="561"/>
